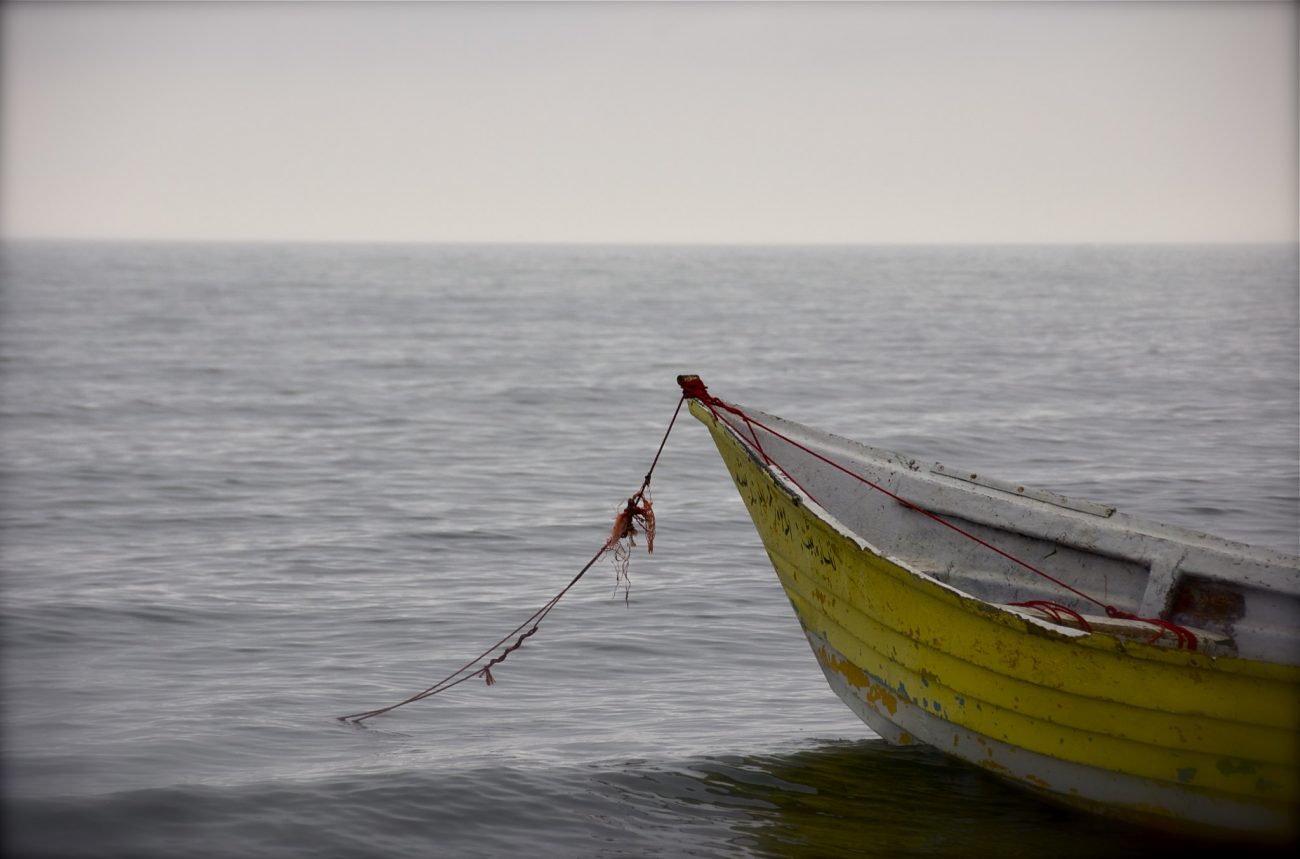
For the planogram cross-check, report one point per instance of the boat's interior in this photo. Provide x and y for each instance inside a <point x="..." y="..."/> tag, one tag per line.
<point x="982" y="537"/>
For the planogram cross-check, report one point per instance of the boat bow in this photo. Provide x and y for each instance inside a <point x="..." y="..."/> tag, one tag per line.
<point x="912" y="587"/>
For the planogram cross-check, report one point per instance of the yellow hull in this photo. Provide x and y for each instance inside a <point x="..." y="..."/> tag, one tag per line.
<point x="1116" y="724"/>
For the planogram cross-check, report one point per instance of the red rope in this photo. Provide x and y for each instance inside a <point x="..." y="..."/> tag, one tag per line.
<point x="1186" y="638"/>
<point x="1056" y="612"/>
<point x="694" y="388"/>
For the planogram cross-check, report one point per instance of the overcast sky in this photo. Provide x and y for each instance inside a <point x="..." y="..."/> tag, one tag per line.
<point x="903" y="122"/>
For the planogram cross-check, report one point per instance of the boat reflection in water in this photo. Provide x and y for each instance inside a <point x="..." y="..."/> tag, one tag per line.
<point x="868" y="798"/>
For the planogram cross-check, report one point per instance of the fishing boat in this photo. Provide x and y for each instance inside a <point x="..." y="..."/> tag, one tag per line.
<point x="1133" y="668"/>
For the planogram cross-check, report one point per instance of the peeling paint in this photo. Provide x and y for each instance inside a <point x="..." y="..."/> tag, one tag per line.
<point x="1235" y="766"/>
<point x="878" y="695"/>
<point x="875" y="693"/>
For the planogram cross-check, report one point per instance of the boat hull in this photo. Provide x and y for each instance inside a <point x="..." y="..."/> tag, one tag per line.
<point x="1116" y="725"/>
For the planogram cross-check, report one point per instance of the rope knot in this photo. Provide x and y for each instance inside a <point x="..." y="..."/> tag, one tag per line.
<point x="693" y="388"/>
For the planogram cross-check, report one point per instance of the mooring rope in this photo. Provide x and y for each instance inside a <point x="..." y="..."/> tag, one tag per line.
<point x="636" y="516"/>
<point x="694" y="388"/>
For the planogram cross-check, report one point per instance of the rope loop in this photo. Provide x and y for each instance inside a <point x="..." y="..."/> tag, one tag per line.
<point x="1186" y="638"/>
<point x="1056" y="612"/>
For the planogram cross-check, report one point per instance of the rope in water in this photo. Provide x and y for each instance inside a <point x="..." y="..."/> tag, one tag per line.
<point x="693" y="388"/>
<point x="636" y="516"/>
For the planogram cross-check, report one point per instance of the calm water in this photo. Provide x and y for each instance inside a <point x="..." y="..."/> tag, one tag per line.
<point x="249" y="488"/>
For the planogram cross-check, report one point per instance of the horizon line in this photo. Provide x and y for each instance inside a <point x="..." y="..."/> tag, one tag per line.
<point x="648" y="243"/>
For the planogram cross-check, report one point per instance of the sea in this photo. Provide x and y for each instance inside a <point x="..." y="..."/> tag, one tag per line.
<point x="249" y="488"/>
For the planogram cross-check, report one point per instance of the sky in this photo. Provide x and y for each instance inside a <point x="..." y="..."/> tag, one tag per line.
<point x="650" y="123"/>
